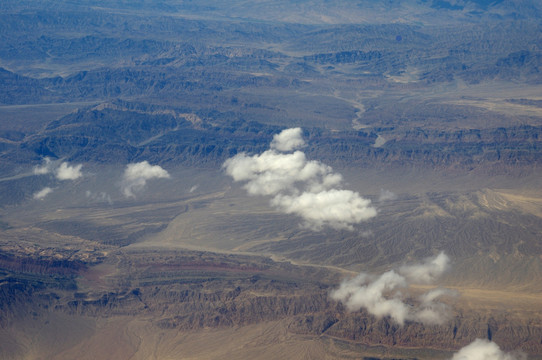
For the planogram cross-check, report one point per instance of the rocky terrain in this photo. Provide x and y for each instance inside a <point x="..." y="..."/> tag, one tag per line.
<point x="189" y="291"/>
<point x="430" y="109"/>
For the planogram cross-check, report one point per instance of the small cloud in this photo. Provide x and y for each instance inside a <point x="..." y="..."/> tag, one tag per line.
<point x="67" y="172"/>
<point x="136" y="175"/>
<point x="481" y="349"/>
<point x="42" y="193"/>
<point x="288" y="140"/>
<point x="99" y="197"/>
<point x="193" y="188"/>
<point x="381" y="295"/>
<point x="429" y="310"/>
<point x="46" y="168"/>
<point x="386" y="195"/>
<point x="380" y="141"/>
<point x="428" y="271"/>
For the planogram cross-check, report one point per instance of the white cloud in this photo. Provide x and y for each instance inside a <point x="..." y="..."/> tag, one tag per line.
<point x="271" y="172"/>
<point x="386" y="195"/>
<point x="481" y="349"/>
<point x="380" y="141"/>
<point x="428" y="271"/>
<point x="337" y="208"/>
<point x="136" y="175"/>
<point x="42" y="193"/>
<point x="366" y="291"/>
<point x="429" y="310"/>
<point x="288" y="140"/>
<point x="45" y="168"/>
<point x="99" y="197"/>
<point x="381" y="295"/>
<point x="299" y="186"/>
<point x="67" y="172"/>
<point x="62" y="172"/>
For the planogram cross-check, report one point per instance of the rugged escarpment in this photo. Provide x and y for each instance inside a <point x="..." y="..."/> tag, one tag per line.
<point x="190" y="291"/>
<point x="123" y="133"/>
<point x="455" y="334"/>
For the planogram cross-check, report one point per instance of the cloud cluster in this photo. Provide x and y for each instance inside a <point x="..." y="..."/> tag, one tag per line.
<point x="381" y="296"/>
<point x="481" y="349"/>
<point x="136" y="175"/>
<point x="64" y="171"/>
<point x="134" y="178"/>
<point x="306" y="188"/>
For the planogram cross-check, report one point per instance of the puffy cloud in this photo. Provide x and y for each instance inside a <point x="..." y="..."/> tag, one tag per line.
<point x="64" y="171"/>
<point x="42" y="193"/>
<point x="429" y="310"/>
<point x="67" y="172"/>
<point x="271" y="172"/>
<point x="299" y="186"/>
<point x="288" y="140"/>
<point x="336" y="208"/>
<point x="136" y="175"/>
<point x="386" y="195"/>
<point x="366" y="291"/>
<point x="428" y="271"/>
<point x="45" y="168"/>
<point x="381" y="295"/>
<point x="481" y="349"/>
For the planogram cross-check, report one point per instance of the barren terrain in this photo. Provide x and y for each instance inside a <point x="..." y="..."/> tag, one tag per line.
<point x="123" y="234"/>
